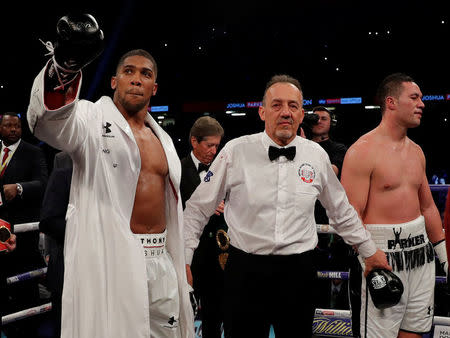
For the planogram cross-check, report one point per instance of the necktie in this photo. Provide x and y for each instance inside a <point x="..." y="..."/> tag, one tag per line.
<point x="5" y="156"/>
<point x="275" y="152"/>
<point x="6" y="150"/>
<point x="202" y="167"/>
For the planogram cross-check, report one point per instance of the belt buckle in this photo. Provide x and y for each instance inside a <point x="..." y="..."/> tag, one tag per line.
<point x="223" y="241"/>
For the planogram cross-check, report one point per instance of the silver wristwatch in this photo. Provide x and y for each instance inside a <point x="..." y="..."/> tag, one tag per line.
<point x="19" y="189"/>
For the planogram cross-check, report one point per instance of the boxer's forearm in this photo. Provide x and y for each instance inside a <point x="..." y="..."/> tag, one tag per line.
<point x="433" y="224"/>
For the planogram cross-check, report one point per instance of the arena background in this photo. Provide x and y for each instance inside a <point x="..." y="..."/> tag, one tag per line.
<point x="210" y="54"/>
<point x="215" y="57"/>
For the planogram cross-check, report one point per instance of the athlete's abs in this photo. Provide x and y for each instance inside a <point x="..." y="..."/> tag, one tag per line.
<point x="148" y="214"/>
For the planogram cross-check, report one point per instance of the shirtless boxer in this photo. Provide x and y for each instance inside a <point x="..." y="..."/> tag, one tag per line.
<point x="384" y="177"/>
<point x="125" y="272"/>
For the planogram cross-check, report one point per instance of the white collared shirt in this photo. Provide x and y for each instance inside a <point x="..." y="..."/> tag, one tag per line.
<point x="269" y="206"/>
<point x="197" y="163"/>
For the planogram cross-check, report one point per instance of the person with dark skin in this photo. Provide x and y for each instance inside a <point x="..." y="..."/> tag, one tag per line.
<point x="23" y="176"/>
<point x="123" y="252"/>
<point x="10" y="134"/>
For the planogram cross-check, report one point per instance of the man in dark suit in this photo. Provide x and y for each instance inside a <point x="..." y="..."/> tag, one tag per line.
<point x="205" y="137"/>
<point x="53" y="224"/>
<point x="23" y="177"/>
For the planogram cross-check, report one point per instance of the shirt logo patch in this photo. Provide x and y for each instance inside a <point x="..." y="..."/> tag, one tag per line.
<point x="306" y="173"/>
<point x="106" y="130"/>
<point x="106" y="127"/>
<point x="208" y="176"/>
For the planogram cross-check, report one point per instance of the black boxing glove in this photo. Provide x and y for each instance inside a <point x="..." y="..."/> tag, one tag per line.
<point x="385" y="288"/>
<point x="79" y="41"/>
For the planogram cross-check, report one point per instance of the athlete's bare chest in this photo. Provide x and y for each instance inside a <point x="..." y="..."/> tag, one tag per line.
<point x="153" y="157"/>
<point x="397" y="169"/>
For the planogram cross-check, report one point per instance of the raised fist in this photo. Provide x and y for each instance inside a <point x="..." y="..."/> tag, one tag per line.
<point x="79" y="41"/>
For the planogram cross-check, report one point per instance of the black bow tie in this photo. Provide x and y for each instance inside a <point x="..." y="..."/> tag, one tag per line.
<point x="202" y="167"/>
<point x="275" y="152"/>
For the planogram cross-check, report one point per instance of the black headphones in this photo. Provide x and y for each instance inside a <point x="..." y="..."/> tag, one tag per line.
<point x="333" y="120"/>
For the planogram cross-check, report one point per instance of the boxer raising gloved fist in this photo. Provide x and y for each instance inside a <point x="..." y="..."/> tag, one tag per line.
<point x="79" y="41"/>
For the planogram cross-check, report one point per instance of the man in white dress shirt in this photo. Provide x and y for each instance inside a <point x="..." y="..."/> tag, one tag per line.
<point x="269" y="208"/>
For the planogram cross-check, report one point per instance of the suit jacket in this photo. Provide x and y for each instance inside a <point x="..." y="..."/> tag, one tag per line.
<point x="189" y="179"/>
<point x="53" y="219"/>
<point x="29" y="168"/>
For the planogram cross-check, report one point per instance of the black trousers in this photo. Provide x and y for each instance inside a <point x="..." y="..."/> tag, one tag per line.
<point x="209" y="286"/>
<point x="264" y="290"/>
<point x="354" y="287"/>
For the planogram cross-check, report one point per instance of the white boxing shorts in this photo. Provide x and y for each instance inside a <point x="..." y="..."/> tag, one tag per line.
<point x="162" y="286"/>
<point x="411" y="256"/>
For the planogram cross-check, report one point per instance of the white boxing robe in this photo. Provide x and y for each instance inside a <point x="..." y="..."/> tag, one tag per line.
<point x="105" y="282"/>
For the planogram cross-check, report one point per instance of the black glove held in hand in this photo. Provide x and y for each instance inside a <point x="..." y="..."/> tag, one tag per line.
<point x="385" y="288"/>
<point x="79" y="41"/>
